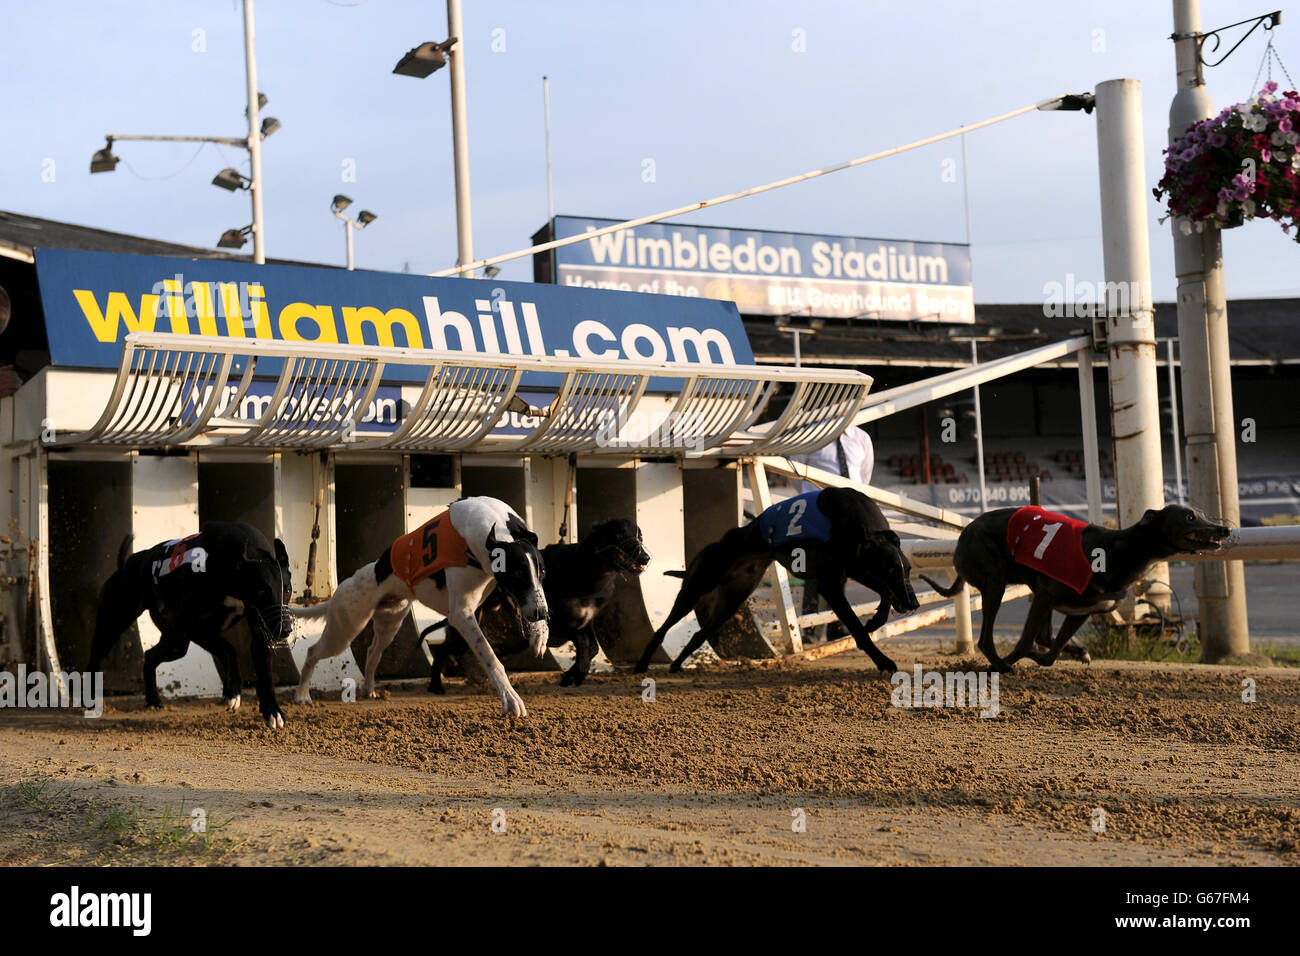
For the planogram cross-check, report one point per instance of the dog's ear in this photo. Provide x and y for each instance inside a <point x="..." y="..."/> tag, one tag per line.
<point x="281" y="552"/>
<point x="519" y="530"/>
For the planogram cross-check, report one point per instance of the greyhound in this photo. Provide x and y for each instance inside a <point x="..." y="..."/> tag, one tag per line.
<point x="831" y="535"/>
<point x="1072" y="566"/>
<point x="451" y="563"/>
<point x="194" y="588"/>
<point x="579" y="583"/>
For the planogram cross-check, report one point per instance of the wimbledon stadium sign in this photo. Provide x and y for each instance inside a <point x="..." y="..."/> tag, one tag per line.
<point x="773" y="273"/>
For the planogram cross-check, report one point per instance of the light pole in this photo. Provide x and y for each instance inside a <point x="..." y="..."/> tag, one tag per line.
<point x="255" y="134"/>
<point x="364" y="218"/>
<point x="422" y="61"/>
<point x="550" y="186"/>
<point x="258" y="129"/>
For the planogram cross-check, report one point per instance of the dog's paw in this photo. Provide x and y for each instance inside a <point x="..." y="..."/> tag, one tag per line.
<point x="512" y="703"/>
<point x="232" y="703"/>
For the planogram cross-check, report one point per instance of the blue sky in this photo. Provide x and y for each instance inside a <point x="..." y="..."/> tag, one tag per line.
<point x="714" y="92"/>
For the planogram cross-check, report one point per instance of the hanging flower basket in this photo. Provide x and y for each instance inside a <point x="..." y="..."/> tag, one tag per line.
<point x="1242" y="164"/>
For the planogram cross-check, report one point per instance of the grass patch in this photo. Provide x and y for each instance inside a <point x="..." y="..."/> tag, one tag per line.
<point x="1144" y="643"/>
<point x="41" y="794"/>
<point x="127" y="834"/>
<point x="81" y="830"/>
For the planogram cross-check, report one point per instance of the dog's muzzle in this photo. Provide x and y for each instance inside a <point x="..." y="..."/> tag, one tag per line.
<point x="276" y="625"/>
<point x="537" y="634"/>
<point x="1208" y="539"/>
<point x="630" y="556"/>
<point x="907" y="600"/>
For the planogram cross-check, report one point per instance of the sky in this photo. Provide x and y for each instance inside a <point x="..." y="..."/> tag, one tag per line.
<point x="719" y="95"/>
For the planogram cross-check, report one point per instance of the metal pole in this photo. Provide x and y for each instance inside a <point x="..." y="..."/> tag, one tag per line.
<point x="961" y="615"/>
<point x="797" y="357"/>
<point x="1091" y="446"/>
<point x="550" y="185"/>
<point x="460" y="140"/>
<point x="979" y="432"/>
<point x="254" y="137"/>
<point x="1207" y="394"/>
<point x="347" y="232"/>
<point x="744" y="193"/>
<point x="1173" y="422"/>
<point x="965" y="188"/>
<point x="1130" y="314"/>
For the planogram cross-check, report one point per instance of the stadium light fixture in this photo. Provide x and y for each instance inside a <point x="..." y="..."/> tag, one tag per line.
<point x="234" y="238"/>
<point x="424" y="59"/>
<point x="104" y="161"/>
<point x="231" y="179"/>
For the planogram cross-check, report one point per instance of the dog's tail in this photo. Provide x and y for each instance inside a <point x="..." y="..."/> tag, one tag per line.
<point x="949" y="591"/>
<point x="675" y="574"/>
<point x="424" y="635"/>
<point x="124" y="550"/>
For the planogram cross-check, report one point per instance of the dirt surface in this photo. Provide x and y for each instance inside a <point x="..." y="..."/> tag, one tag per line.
<point x="720" y="769"/>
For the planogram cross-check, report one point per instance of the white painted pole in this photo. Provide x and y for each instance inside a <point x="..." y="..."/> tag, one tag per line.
<point x="254" y="137"/>
<point x="961" y="615"/>
<point x="1207" y="392"/>
<point x="1091" y="445"/>
<point x="550" y="185"/>
<point x="1177" y="443"/>
<point x="1130" y="314"/>
<point x="347" y="232"/>
<point x="979" y="433"/>
<point x="460" y="141"/>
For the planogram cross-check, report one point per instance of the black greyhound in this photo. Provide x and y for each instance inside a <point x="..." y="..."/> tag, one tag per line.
<point x="830" y="535"/>
<point x="1100" y="565"/>
<point x="579" y="583"/>
<point x="194" y="588"/>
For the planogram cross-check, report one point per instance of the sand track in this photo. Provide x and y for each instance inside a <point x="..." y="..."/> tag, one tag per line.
<point x="714" y="771"/>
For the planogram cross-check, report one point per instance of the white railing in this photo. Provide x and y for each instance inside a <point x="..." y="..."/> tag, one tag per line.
<point x="175" y="390"/>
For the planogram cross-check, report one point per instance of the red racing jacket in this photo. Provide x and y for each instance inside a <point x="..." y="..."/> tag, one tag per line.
<point x="1051" y="544"/>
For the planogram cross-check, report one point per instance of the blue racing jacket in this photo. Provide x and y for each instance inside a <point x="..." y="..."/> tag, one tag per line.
<point x="795" y="519"/>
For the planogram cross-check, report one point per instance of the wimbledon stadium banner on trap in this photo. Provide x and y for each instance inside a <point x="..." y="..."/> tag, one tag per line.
<point x="773" y="273"/>
<point x="91" y="301"/>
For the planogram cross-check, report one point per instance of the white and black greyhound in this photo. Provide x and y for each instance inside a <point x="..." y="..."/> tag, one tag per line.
<point x="450" y="564"/>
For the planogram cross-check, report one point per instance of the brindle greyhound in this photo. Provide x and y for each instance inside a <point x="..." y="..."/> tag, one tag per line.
<point x="1116" y="560"/>
<point x="831" y="535"/>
